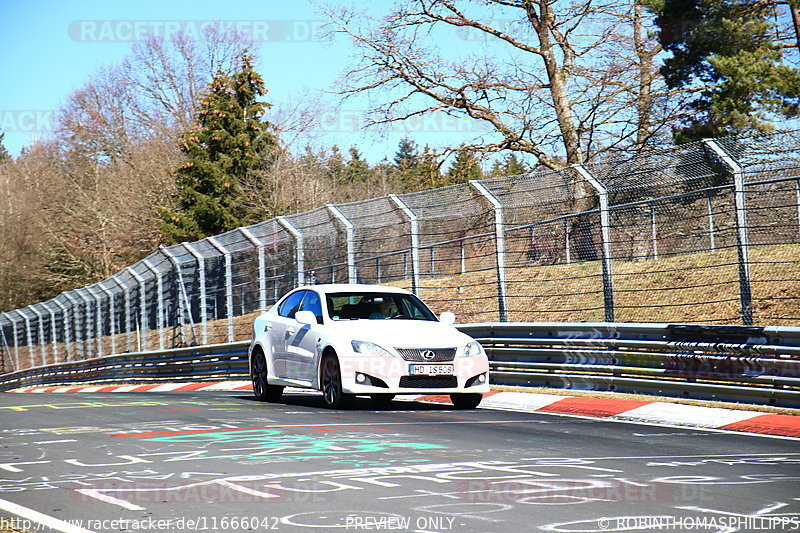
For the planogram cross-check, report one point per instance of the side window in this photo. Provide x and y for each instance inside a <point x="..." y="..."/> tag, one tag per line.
<point x="312" y="303"/>
<point x="291" y="304"/>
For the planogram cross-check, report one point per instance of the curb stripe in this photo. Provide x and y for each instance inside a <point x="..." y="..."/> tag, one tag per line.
<point x="144" y="388"/>
<point x="786" y="425"/>
<point x="192" y="387"/>
<point x="596" y="407"/>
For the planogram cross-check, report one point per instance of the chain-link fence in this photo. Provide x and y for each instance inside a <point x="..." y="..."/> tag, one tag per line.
<point x="701" y="233"/>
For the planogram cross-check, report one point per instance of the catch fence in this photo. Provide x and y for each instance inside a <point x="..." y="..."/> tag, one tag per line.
<point x="700" y="233"/>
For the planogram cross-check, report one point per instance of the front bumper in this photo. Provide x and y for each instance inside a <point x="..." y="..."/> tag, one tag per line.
<point x="390" y="375"/>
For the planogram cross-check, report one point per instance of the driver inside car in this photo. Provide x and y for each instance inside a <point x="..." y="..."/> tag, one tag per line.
<point x="383" y="311"/>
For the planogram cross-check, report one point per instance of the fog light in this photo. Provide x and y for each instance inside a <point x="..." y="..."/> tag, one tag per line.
<point x="482" y="378"/>
<point x="361" y="378"/>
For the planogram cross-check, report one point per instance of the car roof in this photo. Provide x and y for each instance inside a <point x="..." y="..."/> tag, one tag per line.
<point x="352" y="287"/>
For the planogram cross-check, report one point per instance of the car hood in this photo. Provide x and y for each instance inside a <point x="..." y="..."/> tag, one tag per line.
<point x="402" y="333"/>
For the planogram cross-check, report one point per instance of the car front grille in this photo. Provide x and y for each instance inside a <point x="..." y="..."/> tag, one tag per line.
<point x="416" y="354"/>
<point x="428" y="382"/>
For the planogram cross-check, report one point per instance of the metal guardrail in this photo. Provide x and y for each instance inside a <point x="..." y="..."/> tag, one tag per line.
<point x="728" y="363"/>
<point x="215" y="362"/>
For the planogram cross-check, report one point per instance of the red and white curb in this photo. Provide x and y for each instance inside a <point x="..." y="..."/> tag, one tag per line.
<point x="662" y="413"/>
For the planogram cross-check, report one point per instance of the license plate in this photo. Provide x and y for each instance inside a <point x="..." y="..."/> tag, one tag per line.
<point x="429" y="370"/>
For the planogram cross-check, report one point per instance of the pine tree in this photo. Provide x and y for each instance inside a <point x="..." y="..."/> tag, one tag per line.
<point x="406" y="157"/>
<point x="357" y="169"/>
<point x="727" y="49"/>
<point x="406" y="165"/>
<point x="4" y="155"/>
<point x="335" y="167"/>
<point x="429" y="170"/>
<point x="465" y="167"/>
<point x="229" y="141"/>
<point x="510" y="165"/>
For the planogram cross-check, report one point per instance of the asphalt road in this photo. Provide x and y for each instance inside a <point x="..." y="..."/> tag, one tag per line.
<point x="223" y="462"/>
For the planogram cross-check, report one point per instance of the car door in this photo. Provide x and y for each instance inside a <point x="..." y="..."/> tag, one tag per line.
<point x="282" y="329"/>
<point x="303" y="349"/>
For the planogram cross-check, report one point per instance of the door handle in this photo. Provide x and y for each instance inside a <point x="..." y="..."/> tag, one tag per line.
<point x="290" y="331"/>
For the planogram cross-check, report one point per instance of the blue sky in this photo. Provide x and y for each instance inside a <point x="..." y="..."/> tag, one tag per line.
<point x="48" y="52"/>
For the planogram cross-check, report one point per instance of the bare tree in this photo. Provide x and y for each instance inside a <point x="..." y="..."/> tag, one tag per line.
<point x="563" y="80"/>
<point x="80" y="206"/>
<point x="164" y="79"/>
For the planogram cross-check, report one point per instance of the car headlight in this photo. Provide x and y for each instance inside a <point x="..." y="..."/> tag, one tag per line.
<point x="368" y="348"/>
<point x="472" y="349"/>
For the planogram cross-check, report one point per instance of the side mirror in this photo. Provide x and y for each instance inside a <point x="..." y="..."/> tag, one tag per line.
<point x="305" y="317"/>
<point x="447" y="318"/>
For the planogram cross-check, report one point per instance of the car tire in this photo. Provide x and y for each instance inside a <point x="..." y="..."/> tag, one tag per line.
<point x="466" y="400"/>
<point x="331" y="380"/>
<point x="381" y="400"/>
<point x="262" y="390"/>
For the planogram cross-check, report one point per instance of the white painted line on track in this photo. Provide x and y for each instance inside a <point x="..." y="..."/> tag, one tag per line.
<point x="529" y="401"/>
<point x="691" y="415"/>
<point x="35" y="516"/>
<point x="126" y="388"/>
<point x="226" y="385"/>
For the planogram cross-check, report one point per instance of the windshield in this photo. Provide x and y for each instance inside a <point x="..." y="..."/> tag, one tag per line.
<point x="376" y="306"/>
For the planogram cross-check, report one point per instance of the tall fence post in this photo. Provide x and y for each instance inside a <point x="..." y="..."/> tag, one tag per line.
<point x="500" y="248"/>
<point x="87" y="305"/>
<point x="86" y="330"/>
<point x="53" y="329"/>
<point x="413" y="221"/>
<point x="567" y="248"/>
<point x="201" y="271"/>
<point x="182" y="295"/>
<point x="28" y="336"/>
<point x="67" y="330"/>
<point x="40" y="321"/>
<point x="742" y="245"/>
<point x="112" y="327"/>
<point x="142" y="309"/>
<point x="797" y="200"/>
<point x="98" y="306"/>
<point x="5" y="341"/>
<point x="228" y="284"/>
<point x="653" y="231"/>
<point x="159" y="301"/>
<point x="76" y="330"/>
<point x="352" y="276"/>
<point x="605" y="235"/>
<point x="711" y="240"/>
<point x="15" y="333"/>
<point x="262" y="268"/>
<point x="126" y="309"/>
<point x="300" y="254"/>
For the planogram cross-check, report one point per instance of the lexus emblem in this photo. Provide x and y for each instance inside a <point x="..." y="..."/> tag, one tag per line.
<point x="428" y="355"/>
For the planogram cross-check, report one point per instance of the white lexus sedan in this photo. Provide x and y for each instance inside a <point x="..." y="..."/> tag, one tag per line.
<point x="347" y="340"/>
